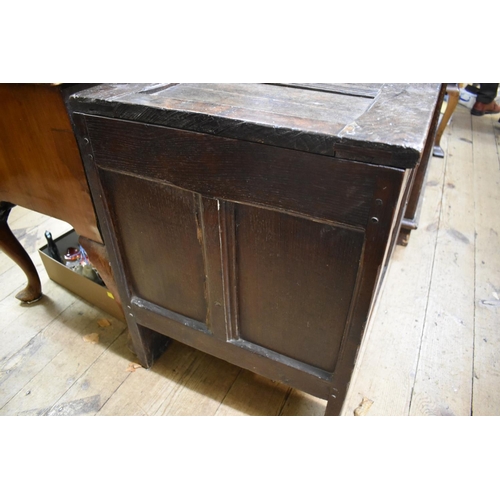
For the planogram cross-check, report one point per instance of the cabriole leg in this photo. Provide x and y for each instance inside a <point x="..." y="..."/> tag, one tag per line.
<point x="13" y="249"/>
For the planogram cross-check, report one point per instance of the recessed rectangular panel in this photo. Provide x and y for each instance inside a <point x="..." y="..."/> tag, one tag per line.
<point x="295" y="283"/>
<point x="158" y="231"/>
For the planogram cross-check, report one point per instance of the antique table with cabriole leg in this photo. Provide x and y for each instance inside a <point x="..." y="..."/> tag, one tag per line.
<point x="255" y="221"/>
<point x="41" y="170"/>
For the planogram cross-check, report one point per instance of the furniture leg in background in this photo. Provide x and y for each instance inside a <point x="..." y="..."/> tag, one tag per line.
<point x="453" y="93"/>
<point x="14" y="250"/>
<point x="410" y="219"/>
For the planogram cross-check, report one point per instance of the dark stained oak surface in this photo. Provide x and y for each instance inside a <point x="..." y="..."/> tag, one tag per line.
<point x="233" y="170"/>
<point x="271" y="251"/>
<point x="170" y="256"/>
<point x="255" y="222"/>
<point x="383" y="124"/>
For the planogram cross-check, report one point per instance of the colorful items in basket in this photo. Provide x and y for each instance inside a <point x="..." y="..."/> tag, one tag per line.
<point x="77" y="260"/>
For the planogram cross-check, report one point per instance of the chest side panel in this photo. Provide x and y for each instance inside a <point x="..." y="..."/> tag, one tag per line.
<point x="158" y="234"/>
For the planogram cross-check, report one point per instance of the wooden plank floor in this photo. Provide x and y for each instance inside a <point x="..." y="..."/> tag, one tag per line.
<point x="433" y="346"/>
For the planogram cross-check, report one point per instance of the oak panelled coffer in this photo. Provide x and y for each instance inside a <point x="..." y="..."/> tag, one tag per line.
<point x="255" y="221"/>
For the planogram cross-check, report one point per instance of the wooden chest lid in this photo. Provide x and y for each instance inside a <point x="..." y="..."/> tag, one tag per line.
<point x="377" y="123"/>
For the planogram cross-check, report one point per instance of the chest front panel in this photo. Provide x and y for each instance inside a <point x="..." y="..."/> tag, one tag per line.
<point x="249" y="252"/>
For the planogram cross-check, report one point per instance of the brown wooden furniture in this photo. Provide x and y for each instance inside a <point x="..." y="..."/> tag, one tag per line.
<point x="41" y="169"/>
<point x="255" y="221"/>
<point x="412" y="212"/>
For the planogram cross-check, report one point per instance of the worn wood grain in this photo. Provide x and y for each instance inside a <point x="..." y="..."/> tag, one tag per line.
<point x="369" y="90"/>
<point x="253" y="395"/>
<point x="171" y="271"/>
<point x="307" y="329"/>
<point x="181" y="380"/>
<point x="397" y="136"/>
<point x="486" y="380"/>
<point x="27" y="321"/>
<point x="61" y="344"/>
<point x="145" y="390"/>
<point x="210" y="377"/>
<point x="271" y="100"/>
<point x="226" y="169"/>
<point x="447" y="343"/>
<point x="300" y="403"/>
<point x="345" y="125"/>
<point x="25" y="360"/>
<point x="98" y="382"/>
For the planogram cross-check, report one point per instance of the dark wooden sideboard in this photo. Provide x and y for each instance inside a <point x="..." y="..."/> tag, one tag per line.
<point x="255" y="221"/>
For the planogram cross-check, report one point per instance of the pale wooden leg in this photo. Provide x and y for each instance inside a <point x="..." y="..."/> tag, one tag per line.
<point x="453" y="93"/>
<point x="14" y="249"/>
